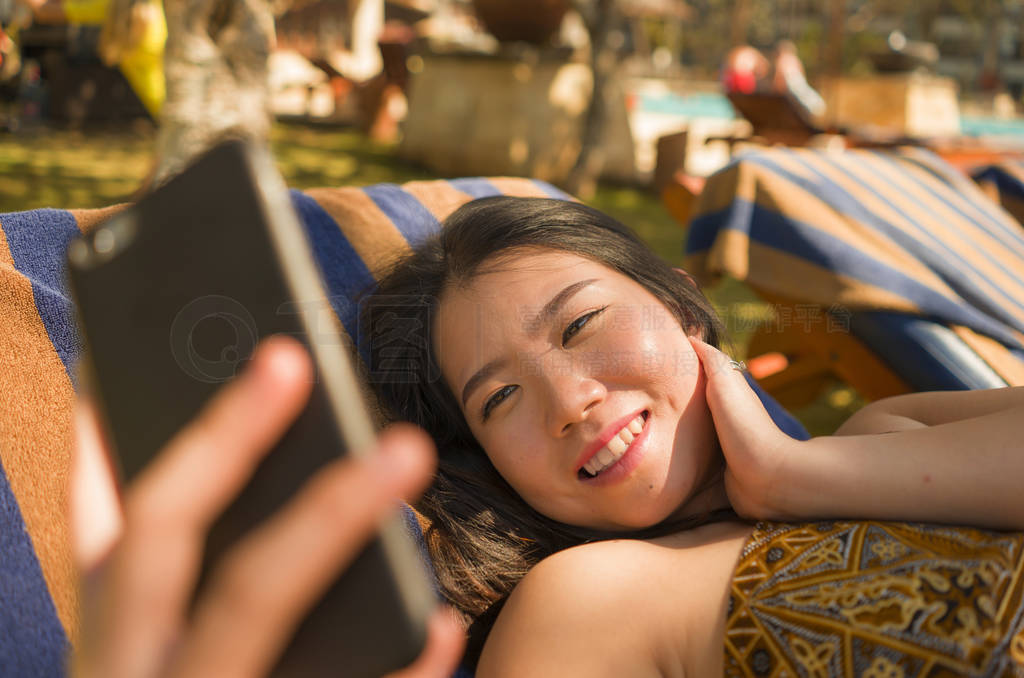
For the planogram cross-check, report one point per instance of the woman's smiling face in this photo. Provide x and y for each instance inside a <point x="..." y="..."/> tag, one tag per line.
<point x="582" y="388"/>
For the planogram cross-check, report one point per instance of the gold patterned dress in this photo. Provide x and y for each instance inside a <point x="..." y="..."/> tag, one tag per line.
<point x="876" y="600"/>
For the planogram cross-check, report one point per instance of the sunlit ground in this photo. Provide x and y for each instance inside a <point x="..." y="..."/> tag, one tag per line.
<point x="60" y="168"/>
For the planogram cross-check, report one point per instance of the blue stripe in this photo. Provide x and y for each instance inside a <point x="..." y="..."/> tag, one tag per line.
<point x="410" y="217"/>
<point x="32" y="640"/>
<point x="343" y="271"/>
<point x="475" y="187"/>
<point x="923" y="250"/>
<point x="479" y="187"/>
<point x="737" y="215"/>
<point x="551" y="191"/>
<point x="801" y="240"/>
<point x="1004" y="181"/>
<point x="38" y="241"/>
<point x="786" y="422"/>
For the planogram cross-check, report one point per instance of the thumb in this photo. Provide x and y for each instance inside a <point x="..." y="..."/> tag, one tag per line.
<point x="95" y="506"/>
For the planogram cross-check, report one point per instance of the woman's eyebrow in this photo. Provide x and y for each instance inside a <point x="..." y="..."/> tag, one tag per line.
<point x="534" y="325"/>
<point x="479" y="377"/>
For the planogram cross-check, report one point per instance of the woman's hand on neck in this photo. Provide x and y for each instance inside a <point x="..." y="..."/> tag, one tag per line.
<point x="756" y="452"/>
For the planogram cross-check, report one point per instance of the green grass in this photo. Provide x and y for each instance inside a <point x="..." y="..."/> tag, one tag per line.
<point x="61" y="168"/>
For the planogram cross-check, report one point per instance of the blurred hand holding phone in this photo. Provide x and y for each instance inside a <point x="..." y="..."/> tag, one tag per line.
<point x="174" y="294"/>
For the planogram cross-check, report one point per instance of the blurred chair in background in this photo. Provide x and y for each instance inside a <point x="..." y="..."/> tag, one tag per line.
<point x="889" y="270"/>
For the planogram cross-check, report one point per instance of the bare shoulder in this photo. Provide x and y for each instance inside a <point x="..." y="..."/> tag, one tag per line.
<point x="605" y="609"/>
<point x="574" y="614"/>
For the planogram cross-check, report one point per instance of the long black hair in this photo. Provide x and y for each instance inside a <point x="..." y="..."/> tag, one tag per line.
<point x="482" y="537"/>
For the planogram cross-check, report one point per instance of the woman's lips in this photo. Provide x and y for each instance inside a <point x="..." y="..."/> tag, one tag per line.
<point x="606" y="435"/>
<point x="625" y="463"/>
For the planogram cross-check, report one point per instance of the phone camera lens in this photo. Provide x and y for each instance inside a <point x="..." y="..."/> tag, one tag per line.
<point x="104" y="241"/>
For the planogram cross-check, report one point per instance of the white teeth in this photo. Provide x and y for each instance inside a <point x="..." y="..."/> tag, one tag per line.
<point x="616" y="447"/>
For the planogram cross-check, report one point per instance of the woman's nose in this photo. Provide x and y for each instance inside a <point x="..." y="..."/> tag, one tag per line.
<point x="572" y="397"/>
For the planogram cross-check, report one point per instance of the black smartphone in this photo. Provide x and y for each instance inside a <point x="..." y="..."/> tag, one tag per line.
<point x="173" y="295"/>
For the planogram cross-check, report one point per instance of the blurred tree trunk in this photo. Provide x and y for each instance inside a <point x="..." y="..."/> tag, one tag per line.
<point x="215" y="63"/>
<point x="598" y="15"/>
<point x="216" y="69"/>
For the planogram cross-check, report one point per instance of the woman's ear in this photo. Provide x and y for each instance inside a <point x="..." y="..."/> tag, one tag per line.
<point x="690" y="278"/>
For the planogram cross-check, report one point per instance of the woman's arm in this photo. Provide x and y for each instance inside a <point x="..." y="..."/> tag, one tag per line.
<point x="917" y="410"/>
<point x="947" y="457"/>
<point x="967" y="471"/>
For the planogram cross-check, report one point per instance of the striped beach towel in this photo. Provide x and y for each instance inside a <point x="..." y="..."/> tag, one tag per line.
<point x="863" y="230"/>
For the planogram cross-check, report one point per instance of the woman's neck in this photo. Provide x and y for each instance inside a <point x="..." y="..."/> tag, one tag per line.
<point x="710" y="495"/>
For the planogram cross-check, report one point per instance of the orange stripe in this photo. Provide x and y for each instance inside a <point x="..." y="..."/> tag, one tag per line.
<point x="1005" y="364"/>
<point x="439" y="197"/>
<point x="35" y="434"/>
<point x="89" y="219"/>
<point x="372" y="235"/>
<point x="721" y="189"/>
<point x="517" y="186"/>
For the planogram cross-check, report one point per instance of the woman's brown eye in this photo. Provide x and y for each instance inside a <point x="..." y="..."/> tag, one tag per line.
<point x="578" y="324"/>
<point x="496" y="399"/>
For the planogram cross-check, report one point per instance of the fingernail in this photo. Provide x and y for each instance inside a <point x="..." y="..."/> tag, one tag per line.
<point x="274" y="361"/>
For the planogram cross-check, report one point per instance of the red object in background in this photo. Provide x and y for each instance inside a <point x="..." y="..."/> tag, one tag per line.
<point x="766" y="365"/>
<point x="744" y="69"/>
<point x="739" y="81"/>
